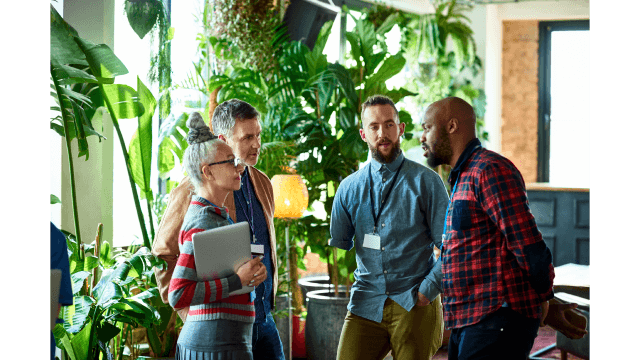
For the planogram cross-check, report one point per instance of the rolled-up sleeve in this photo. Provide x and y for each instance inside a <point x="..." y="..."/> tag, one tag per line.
<point x="437" y="201"/>
<point x="341" y="227"/>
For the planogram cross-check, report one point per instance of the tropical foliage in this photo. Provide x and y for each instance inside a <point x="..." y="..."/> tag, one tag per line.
<point x="108" y="307"/>
<point x="114" y="290"/>
<point x="83" y="83"/>
<point x="311" y="119"/>
<point x="441" y="59"/>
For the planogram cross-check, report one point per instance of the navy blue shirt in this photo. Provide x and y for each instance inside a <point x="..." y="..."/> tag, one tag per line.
<point x="247" y="205"/>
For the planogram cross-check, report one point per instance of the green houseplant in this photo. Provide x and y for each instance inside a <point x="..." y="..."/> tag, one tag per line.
<point x="76" y="61"/>
<point x="441" y="54"/>
<point x="107" y="307"/>
<point x="82" y="76"/>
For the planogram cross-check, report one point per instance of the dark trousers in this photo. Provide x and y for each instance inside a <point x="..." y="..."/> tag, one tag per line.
<point x="266" y="341"/>
<point x="502" y="335"/>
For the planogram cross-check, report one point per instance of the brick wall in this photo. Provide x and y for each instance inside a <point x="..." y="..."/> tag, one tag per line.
<point x="520" y="96"/>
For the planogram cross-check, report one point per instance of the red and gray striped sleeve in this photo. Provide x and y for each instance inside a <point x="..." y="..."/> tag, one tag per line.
<point x="184" y="288"/>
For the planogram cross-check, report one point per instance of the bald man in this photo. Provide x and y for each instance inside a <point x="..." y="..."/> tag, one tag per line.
<point x="497" y="275"/>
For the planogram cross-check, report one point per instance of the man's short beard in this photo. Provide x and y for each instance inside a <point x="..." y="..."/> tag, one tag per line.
<point x="395" y="151"/>
<point x="442" y="152"/>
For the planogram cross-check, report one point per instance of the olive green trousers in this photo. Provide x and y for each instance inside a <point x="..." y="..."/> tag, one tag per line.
<point x="415" y="334"/>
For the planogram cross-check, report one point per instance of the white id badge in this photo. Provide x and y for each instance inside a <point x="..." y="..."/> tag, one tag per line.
<point x="372" y="241"/>
<point x="257" y="250"/>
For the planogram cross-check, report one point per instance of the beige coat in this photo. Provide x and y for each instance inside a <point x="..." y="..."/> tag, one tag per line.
<point x="165" y="245"/>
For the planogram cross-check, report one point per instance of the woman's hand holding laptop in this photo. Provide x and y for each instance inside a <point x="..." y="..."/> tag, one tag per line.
<point x="253" y="272"/>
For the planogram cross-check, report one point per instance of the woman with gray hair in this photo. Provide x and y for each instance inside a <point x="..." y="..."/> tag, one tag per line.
<point x="218" y="326"/>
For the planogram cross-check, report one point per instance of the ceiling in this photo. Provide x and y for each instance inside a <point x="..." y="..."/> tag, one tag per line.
<point x="425" y="6"/>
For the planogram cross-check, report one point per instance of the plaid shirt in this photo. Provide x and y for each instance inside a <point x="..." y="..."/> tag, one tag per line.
<point x="493" y="252"/>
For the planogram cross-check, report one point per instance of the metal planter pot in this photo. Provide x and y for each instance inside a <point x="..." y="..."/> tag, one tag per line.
<point x="282" y="324"/>
<point x="325" y="317"/>
<point x="316" y="282"/>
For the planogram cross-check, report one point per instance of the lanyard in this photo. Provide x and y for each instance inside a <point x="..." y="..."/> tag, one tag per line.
<point x="250" y="203"/>
<point x="212" y="204"/>
<point x="376" y="217"/>
<point x="444" y="231"/>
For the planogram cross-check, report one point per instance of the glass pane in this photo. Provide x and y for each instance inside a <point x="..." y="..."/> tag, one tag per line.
<point x="569" y="125"/>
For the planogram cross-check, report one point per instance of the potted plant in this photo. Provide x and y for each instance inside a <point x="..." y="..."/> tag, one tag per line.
<point x="121" y="292"/>
<point x="106" y="306"/>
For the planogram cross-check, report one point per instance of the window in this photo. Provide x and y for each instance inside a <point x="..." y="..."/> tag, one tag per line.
<point x="135" y="53"/>
<point x="563" y="125"/>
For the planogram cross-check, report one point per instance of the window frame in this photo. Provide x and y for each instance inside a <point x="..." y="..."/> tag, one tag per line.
<point x="544" y="87"/>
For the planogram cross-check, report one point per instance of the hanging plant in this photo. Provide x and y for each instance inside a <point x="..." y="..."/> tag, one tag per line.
<point x="142" y="15"/>
<point x="248" y="25"/>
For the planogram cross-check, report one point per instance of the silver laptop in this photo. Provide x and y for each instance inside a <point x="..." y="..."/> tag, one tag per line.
<point x="219" y="252"/>
<point x="56" y="276"/>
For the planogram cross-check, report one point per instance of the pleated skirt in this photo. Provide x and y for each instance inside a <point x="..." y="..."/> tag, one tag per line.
<point x="219" y="339"/>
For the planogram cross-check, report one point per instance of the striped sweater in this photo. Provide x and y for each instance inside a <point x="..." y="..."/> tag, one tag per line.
<point x="207" y="300"/>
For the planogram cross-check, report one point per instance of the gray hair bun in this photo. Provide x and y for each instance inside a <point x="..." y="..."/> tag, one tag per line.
<point x="198" y="131"/>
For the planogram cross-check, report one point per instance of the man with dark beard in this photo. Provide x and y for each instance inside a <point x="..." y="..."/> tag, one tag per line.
<point x="497" y="271"/>
<point x="392" y="211"/>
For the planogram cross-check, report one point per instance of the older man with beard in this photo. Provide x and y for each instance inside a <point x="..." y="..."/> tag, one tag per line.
<point x="497" y="270"/>
<point x="392" y="211"/>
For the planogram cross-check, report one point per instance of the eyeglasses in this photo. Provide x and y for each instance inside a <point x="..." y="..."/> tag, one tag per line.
<point x="234" y="161"/>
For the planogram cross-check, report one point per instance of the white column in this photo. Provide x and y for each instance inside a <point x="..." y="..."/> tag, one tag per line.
<point x="94" y="178"/>
<point x="493" y="77"/>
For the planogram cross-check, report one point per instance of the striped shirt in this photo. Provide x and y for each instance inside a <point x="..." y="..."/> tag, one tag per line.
<point x="207" y="300"/>
<point x="493" y="252"/>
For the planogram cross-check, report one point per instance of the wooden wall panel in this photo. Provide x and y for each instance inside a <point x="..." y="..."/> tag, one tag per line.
<point x="520" y="95"/>
<point x="563" y="219"/>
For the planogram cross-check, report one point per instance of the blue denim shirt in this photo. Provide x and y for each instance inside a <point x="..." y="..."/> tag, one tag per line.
<point x="410" y="223"/>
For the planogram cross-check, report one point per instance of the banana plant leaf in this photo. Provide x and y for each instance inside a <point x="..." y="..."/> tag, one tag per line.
<point x="71" y="75"/>
<point x="63" y="49"/>
<point x="141" y="143"/>
<point x="76" y="315"/>
<point x="80" y="342"/>
<point x="90" y="262"/>
<point x="106" y="289"/>
<point x="145" y="315"/>
<point x="77" y="280"/>
<point x="63" y="341"/>
<point x="106" y="255"/>
<point x="124" y="100"/>
<point x="104" y="64"/>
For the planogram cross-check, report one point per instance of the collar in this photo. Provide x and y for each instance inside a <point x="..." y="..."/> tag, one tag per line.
<point x="392" y="166"/>
<point x="222" y="211"/>
<point x="246" y="172"/>
<point x="466" y="154"/>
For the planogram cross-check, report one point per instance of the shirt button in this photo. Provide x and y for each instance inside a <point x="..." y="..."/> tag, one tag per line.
<point x="384" y="179"/>
<point x="387" y="293"/>
<point x="382" y="249"/>
<point x="385" y="271"/>
<point x="247" y="203"/>
<point x="263" y="298"/>
<point x="382" y="225"/>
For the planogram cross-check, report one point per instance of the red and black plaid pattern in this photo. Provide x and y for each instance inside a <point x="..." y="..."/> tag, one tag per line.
<point x="493" y="251"/>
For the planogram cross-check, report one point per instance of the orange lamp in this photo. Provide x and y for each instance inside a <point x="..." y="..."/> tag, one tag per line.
<point x="291" y="200"/>
<point x="291" y="196"/>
